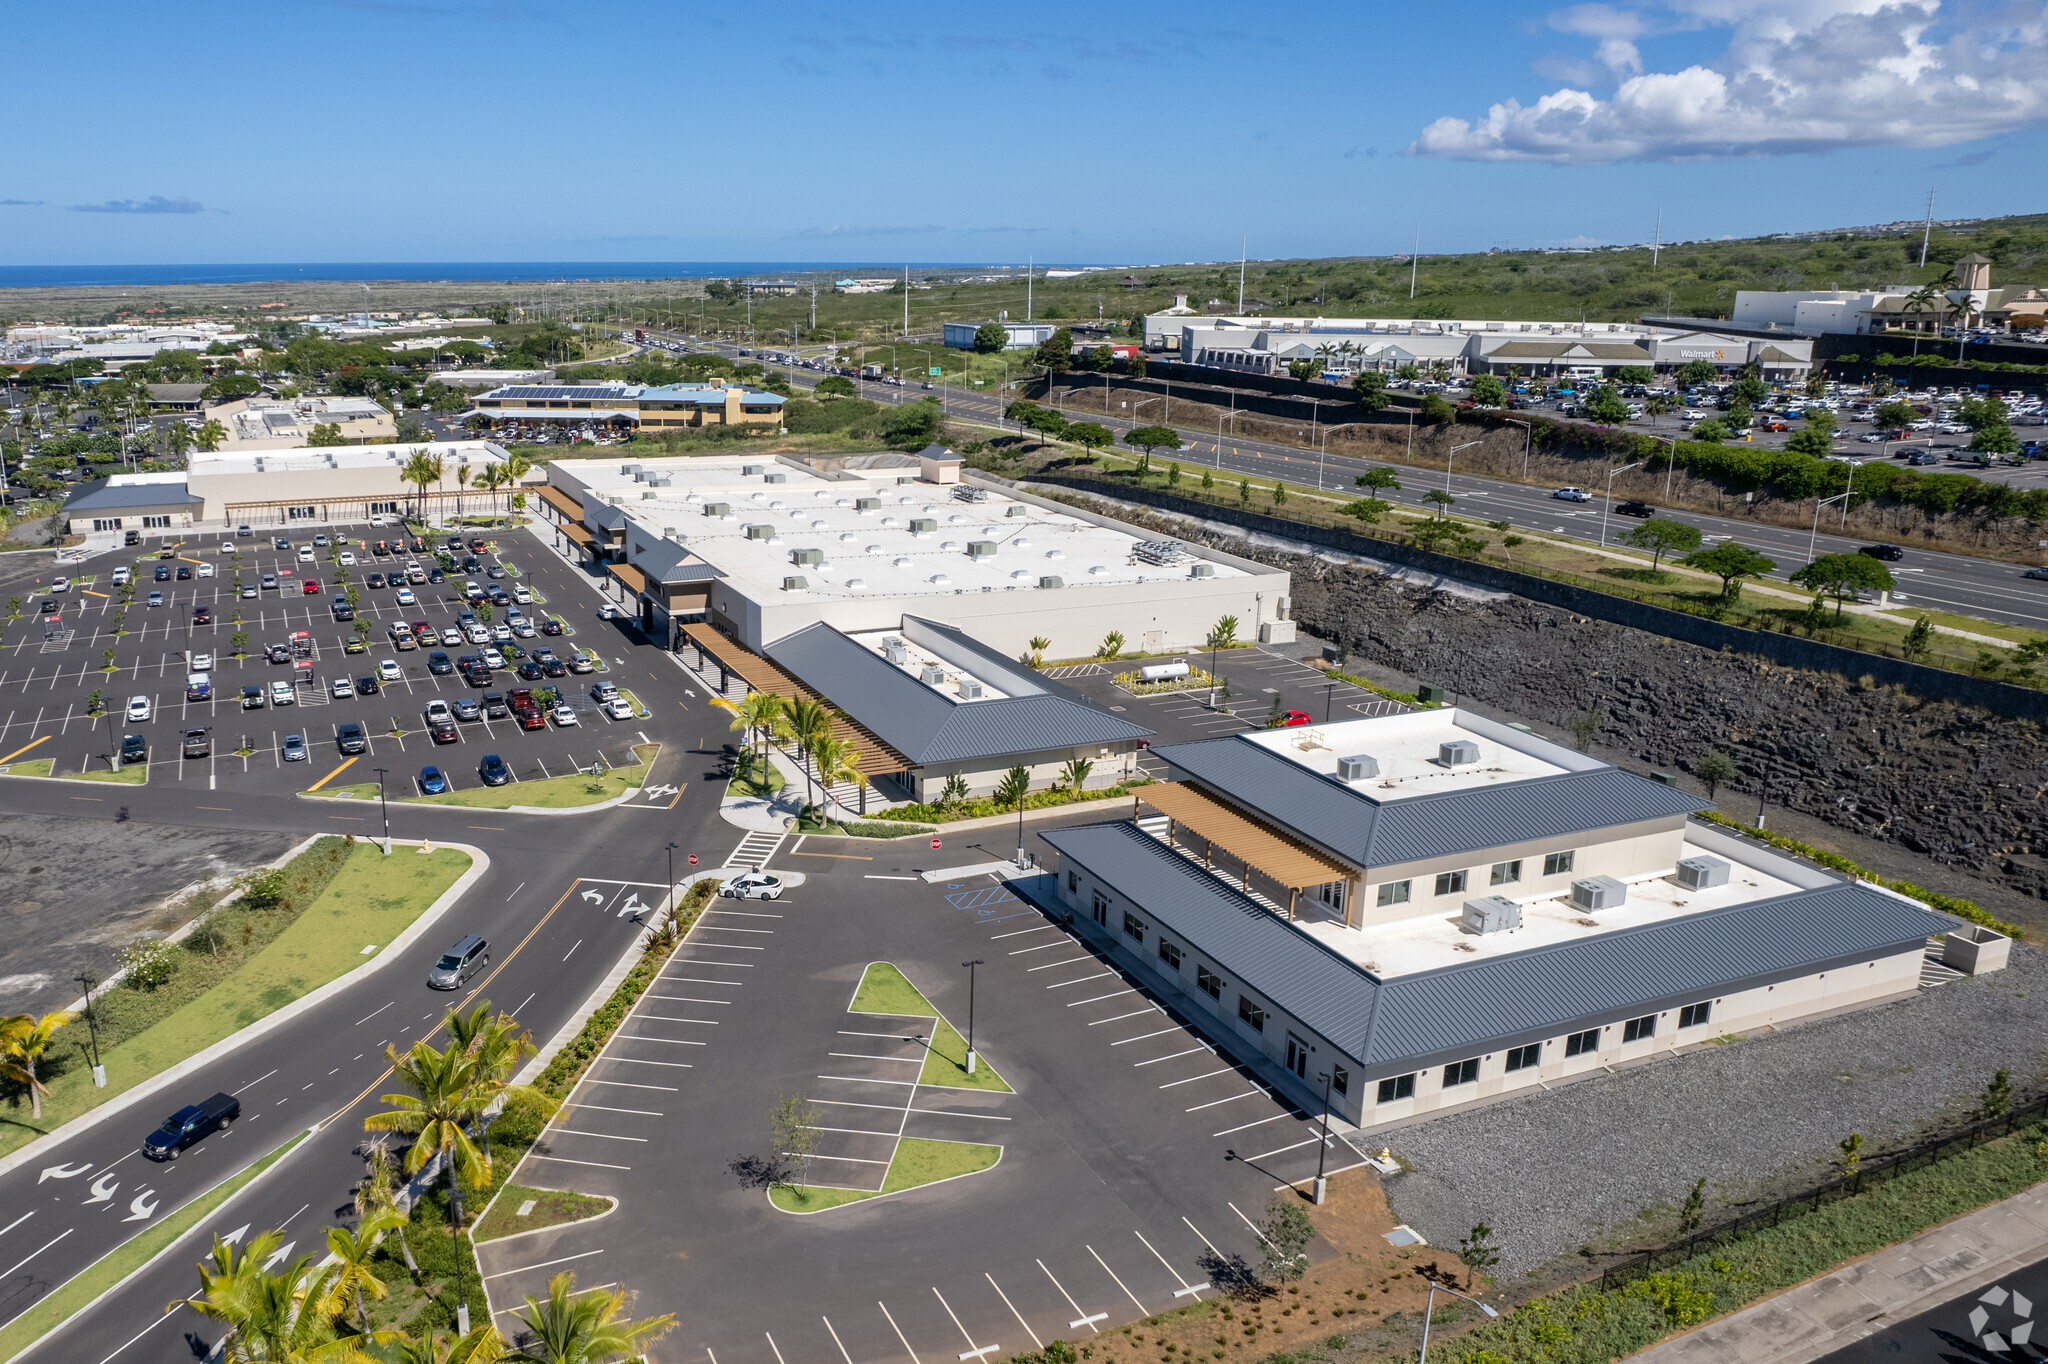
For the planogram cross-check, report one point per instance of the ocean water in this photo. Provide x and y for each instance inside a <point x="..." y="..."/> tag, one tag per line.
<point x="145" y="276"/>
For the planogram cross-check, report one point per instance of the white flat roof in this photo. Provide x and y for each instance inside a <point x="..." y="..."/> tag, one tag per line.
<point x="916" y="659"/>
<point x="454" y="453"/>
<point x="870" y="552"/>
<point x="1408" y="750"/>
<point x="1436" y="940"/>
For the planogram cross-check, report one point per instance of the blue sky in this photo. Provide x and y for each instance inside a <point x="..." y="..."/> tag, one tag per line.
<point x="470" y="130"/>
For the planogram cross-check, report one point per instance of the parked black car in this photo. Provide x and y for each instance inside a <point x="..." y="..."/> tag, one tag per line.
<point x="189" y="1124"/>
<point x="350" y="738"/>
<point x="439" y="662"/>
<point x="134" y="749"/>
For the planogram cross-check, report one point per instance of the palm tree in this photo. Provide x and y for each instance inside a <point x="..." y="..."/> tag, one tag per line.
<point x="274" y="1318"/>
<point x="210" y="434"/>
<point x="809" y="721"/>
<point x="481" y="1346"/>
<point x="1074" y="774"/>
<point x="585" y="1328"/>
<point x="757" y="716"/>
<point x="497" y="1045"/>
<point x="377" y="1193"/>
<point x="492" y="478"/>
<point x="437" y="1114"/>
<point x="351" y="1252"/>
<point x="462" y="476"/>
<point x="1015" y="784"/>
<point x="420" y="469"/>
<point x="1038" y="645"/>
<point x="23" y="1040"/>
<point x="839" y="761"/>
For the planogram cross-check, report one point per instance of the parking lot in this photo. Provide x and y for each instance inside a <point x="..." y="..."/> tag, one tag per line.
<point x="1136" y="1152"/>
<point x="310" y="684"/>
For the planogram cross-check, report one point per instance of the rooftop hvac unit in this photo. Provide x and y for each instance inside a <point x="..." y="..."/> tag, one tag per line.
<point x="1162" y="552"/>
<point x="931" y="674"/>
<point x="668" y="532"/>
<point x="981" y="549"/>
<point x="1016" y="509"/>
<point x="906" y="478"/>
<point x="1702" y="873"/>
<point x="1457" y="753"/>
<point x="970" y="690"/>
<point x="896" y="654"/>
<point x="807" y="557"/>
<point x="923" y="525"/>
<point x="1357" y="767"/>
<point x="967" y="492"/>
<point x="639" y="475"/>
<point x="660" y="481"/>
<point x="749" y="470"/>
<point x="629" y="468"/>
<point x="1594" y="893"/>
<point x="649" y="495"/>
<point x="775" y="478"/>
<point x="717" y="509"/>
<point x="1491" y="914"/>
<point x="1202" y="571"/>
<point x="760" y="532"/>
<point x="867" y="504"/>
<point x="1052" y="580"/>
<point x="794" y="583"/>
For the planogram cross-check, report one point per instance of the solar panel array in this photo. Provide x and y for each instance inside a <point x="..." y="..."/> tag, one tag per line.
<point x="555" y="393"/>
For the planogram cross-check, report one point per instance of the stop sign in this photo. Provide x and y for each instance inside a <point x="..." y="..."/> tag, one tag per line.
<point x="935" y="845"/>
<point x="693" y="859"/>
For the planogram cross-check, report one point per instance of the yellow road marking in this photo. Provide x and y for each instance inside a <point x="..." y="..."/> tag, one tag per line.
<point x="332" y="775"/>
<point x="90" y="593"/>
<point x="23" y="749"/>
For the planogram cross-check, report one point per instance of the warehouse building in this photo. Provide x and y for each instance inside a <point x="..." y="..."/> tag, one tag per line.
<point x="627" y="407"/>
<point x="1417" y="912"/>
<point x="1021" y="335"/>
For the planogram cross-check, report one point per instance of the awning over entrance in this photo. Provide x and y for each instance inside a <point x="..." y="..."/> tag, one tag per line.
<point x="632" y="578"/>
<point x="1287" y="861"/>
<point x="577" y="533"/>
<point x="561" y="501"/>
<point x="762" y="675"/>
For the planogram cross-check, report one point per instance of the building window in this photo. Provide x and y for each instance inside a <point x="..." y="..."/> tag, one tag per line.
<point x="1394" y="893"/>
<point x="1557" y="864"/>
<point x="1397" y="1087"/>
<point x="1297" y="1056"/>
<point x="301" y="513"/>
<point x="1461" y="1072"/>
<point x="1522" y="1058"/>
<point x="106" y="523"/>
<point x="1582" y="1043"/>
<point x="1248" y="1012"/>
<point x="1101" y="910"/>
<point x="1170" y="954"/>
<point x="1134" y="927"/>
<point x="156" y="523"/>
<point x="1073" y="882"/>
<point x="1636" y="1029"/>
<point x="1209" y="982"/>
<point x="1693" y="1015"/>
<point x="1450" y="883"/>
<point x="1507" y="873"/>
<point x="1340" y="1079"/>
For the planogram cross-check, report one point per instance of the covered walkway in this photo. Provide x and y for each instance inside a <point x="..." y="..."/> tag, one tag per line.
<point x="1255" y="846"/>
<point x="762" y="675"/>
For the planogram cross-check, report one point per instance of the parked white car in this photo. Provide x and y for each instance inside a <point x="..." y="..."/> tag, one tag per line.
<point x="138" y="708"/>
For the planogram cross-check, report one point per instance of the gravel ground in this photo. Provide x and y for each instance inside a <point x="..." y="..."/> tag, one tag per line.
<point x="1551" y="1172"/>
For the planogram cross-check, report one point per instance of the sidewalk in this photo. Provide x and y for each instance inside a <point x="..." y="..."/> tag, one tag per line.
<point x="1860" y="1299"/>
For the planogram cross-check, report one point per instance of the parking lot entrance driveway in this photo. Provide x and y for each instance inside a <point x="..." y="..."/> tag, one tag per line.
<point x="1135" y="1153"/>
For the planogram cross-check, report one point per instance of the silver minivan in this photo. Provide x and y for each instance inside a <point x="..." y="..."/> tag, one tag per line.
<point x="469" y="955"/>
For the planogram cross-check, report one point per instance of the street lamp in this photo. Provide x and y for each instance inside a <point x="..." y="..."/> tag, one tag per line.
<point x="1622" y="469"/>
<point x="384" y="806"/>
<point x="1528" y="432"/>
<point x="99" y="1072"/>
<point x="1670" y="464"/>
<point x="671" y="851"/>
<point x="970" y="965"/>
<point x="1323" y="1147"/>
<point x="1814" y="535"/>
<point x="1430" y="1306"/>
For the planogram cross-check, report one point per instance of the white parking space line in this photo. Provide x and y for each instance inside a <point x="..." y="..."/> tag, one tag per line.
<point x="1020" y="932"/>
<point x="1281" y="1150"/>
<point x="1173" y="1055"/>
<point x="1013" y="1310"/>
<point x="1097" y="999"/>
<point x="1067" y="961"/>
<point x="1186" y="1289"/>
<point x="1135" y="1013"/>
<point x="1087" y="1319"/>
<point x="899" y="1334"/>
<point x="837" y="1341"/>
<point x="1143" y="1035"/>
<point x="1077" y="980"/>
<point x="1040" y="948"/>
<point x="1119" y="1282"/>
<point x="1260" y="1122"/>
<point x="1248" y="1094"/>
<point x="1225" y="1070"/>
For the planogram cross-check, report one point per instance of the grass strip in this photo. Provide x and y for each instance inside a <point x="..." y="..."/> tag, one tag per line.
<point x="136" y="775"/>
<point x="546" y="793"/>
<point x="981" y="807"/>
<point x="551" y="1208"/>
<point x="885" y="990"/>
<point x="918" y="1161"/>
<point x="370" y="900"/>
<point x="34" y="767"/>
<point x="82" y="1288"/>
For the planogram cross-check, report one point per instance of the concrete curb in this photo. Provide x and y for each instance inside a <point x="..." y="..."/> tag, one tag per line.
<point x="171" y="1245"/>
<point x="480" y="862"/>
<point x="516" y="809"/>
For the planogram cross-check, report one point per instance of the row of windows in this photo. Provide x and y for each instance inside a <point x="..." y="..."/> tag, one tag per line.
<point x="1525" y="1057"/>
<point x="1455" y="882"/>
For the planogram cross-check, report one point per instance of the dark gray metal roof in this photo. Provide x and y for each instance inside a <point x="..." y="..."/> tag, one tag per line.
<point x="1395" y="1025"/>
<point x="599" y="514"/>
<point x="1373" y="833"/>
<point x="101" y="494"/>
<point x="926" y="727"/>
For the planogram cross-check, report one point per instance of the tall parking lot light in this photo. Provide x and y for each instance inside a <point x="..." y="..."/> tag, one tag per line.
<point x="1322" y="1185"/>
<point x="99" y="1072"/>
<point x="384" y="806"/>
<point x="970" y="965"/>
<point x="671" y="851"/>
<point x="1430" y="1306"/>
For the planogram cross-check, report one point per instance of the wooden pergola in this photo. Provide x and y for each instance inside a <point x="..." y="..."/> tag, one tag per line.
<point x="763" y="675"/>
<point x="561" y="501"/>
<point x="1256" y="846"/>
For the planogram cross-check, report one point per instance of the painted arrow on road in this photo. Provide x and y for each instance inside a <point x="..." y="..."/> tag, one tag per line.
<point x="596" y="897"/>
<point x="103" y="1189"/>
<point x="64" y="1171"/>
<point x="236" y="1235"/>
<point x="657" y="792"/>
<point x="279" y="1255"/>
<point x="632" y="905"/>
<point x="139" y="1212"/>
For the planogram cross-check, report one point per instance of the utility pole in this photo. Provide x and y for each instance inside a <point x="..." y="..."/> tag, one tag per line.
<point x="1414" y="258"/>
<point x="1657" y="244"/>
<point x="814" y="305"/>
<point x="1241" y="241"/>
<point x="1926" y="231"/>
<point x="1028" y="262"/>
<point x="906" y="302"/>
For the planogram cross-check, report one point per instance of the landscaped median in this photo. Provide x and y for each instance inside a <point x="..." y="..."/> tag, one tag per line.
<point x="547" y="793"/>
<point x="128" y="774"/>
<point x="95" y="1280"/>
<point x="294" y="930"/>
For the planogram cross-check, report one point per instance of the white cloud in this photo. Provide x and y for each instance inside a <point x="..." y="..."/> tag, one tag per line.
<point x="1797" y="76"/>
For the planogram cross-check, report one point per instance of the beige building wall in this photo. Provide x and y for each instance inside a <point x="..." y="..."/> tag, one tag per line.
<point x="1629" y="852"/>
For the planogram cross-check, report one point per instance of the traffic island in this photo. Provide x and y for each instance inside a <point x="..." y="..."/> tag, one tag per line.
<point x="885" y="990"/>
<point x="572" y="792"/>
<point x="918" y="1161"/>
<point x="517" y="1210"/>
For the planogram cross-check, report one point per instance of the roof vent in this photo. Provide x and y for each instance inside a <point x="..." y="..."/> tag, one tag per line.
<point x="795" y="583"/>
<point x="1357" y="767"/>
<point x="668" y="532"/>
<point x="970" y="690"/>
<point x="1202" y="571"/>
<point x="895" y="652"/>
<point x="981" y="549"/>
<point x="760" y="532"/>
<point x="968" y="493"/>
<point x="867" y="504"/>
<point x="1702" y="873"/>
<point x="649" y="495"/>
<point x="931" y="674"/>
<point x="1016" y="509"/>
<point x="775" y="478"/>
<point x="1051" y="580"/>
<point x="856" y="584"/>
<point x="717" y="509"/>
<point x="629" y="468"/>
<point x="941" y="580"/>
<point x="923" y="525"/>
<point x="1593" y="893"/>
<point x="1491" y="914"/>
<point x="749" y="470"/>
<point x="810" y="558"/>
<point x="1457" y="753"/>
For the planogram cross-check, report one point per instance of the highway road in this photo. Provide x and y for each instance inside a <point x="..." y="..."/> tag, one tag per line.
<point x="1960" y="583"/>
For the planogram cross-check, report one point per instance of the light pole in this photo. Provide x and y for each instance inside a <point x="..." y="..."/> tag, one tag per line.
<point x="1622" y="469"/>
<point x="970" y="965"/>
<point x="1430" y="1306"/>
<point x="1814" y="535"/>
<point x="384" y="806"/>
<point x="99" y="1072"/>
<point x="1528" y="433"/>
<point x="1323" y="1148"/>
<point x="1670" y="464"/>
<point x="671" y="851"/>
<point x="1451" y="456"/>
